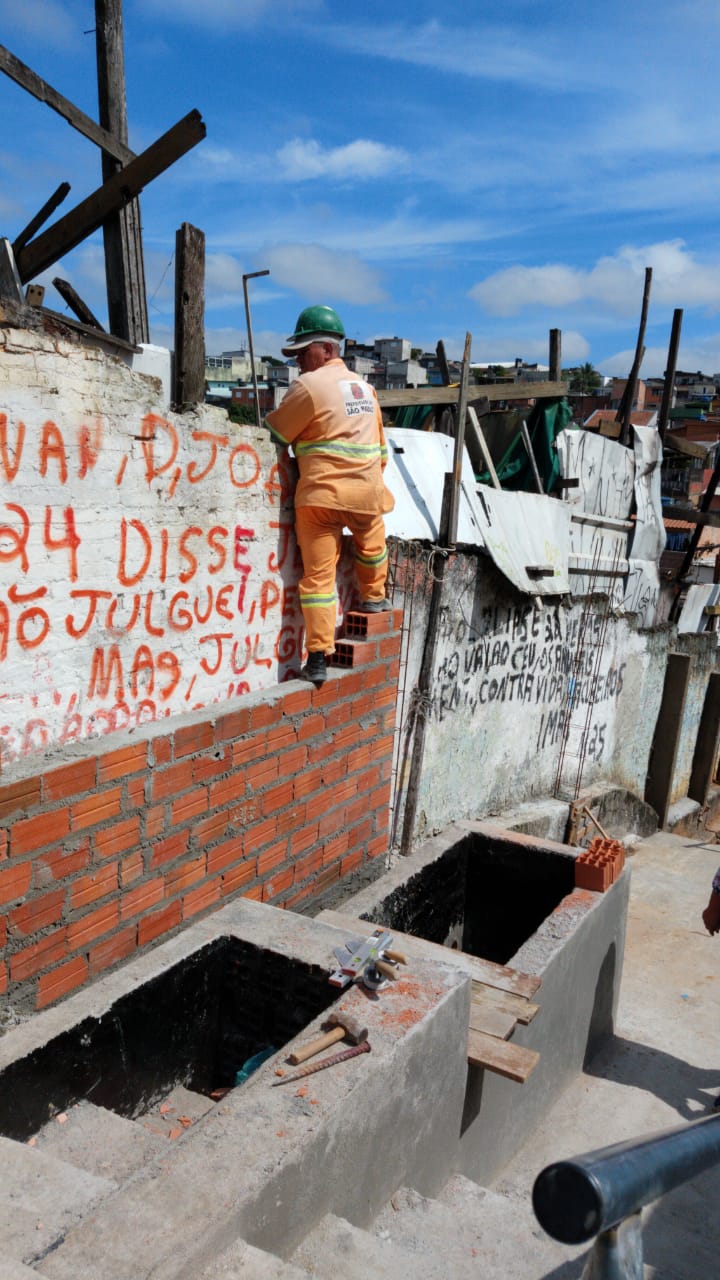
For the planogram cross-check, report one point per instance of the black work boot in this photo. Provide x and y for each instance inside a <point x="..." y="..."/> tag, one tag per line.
<point x="315" y="669"/>
<point x="374" y="606"/>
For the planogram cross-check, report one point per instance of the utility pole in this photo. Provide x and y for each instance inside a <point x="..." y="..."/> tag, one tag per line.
<point x="253" y="275"/>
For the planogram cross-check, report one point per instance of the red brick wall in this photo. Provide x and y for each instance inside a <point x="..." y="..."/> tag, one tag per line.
<point x="276" y="797"/>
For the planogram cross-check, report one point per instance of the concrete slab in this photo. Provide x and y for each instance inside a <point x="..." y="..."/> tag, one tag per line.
<point x="99" y="1141"/>
<point x="42" y="1198"/>
<point x="336" y="1246"/>
<point x="242" y="1262"/>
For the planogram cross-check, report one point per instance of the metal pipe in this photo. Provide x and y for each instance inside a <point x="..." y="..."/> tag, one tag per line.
<point x="252" y="275"/>
<point x="577" y="1199"/>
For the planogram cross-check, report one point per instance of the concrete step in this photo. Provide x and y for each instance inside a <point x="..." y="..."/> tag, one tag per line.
<point x="336" y="1247"/>
<point x="41" y="1198"/>
<point x="176" y="1113"/>
<point x="99" y="1141"/>
<point x="243" y="1262"/>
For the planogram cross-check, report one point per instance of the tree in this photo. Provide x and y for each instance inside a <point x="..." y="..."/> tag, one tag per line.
<point x="584" y="379"/>
<point x="243" y="414"/>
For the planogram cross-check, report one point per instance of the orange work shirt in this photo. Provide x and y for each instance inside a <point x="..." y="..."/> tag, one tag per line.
<point x="333" y="421"/>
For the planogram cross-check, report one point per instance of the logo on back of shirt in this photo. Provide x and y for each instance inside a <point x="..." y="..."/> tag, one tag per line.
<point x="357" y="397"/>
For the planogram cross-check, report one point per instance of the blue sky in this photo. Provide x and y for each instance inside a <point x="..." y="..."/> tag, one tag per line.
<point x="427" y="170"/>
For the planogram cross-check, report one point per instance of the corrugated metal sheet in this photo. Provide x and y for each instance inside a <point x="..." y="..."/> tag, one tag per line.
<point x="528" y="537"/>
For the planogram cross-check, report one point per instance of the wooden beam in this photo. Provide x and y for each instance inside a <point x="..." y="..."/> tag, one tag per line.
<point x="118" y="191"/>
<point x="122" y="238"/>
<point x="693" y="448"/>
<point x="41" y="216"/>
<point x="513" y="1061"/>
<point x="624" y="413"/>
<point x="669" y="383"/>
<point x="555" y="361"/>
<point x="76" y="304"/>
<point x="493" y="391"/>
<point x="189" y="367"/>
<point x="28" y="80"/>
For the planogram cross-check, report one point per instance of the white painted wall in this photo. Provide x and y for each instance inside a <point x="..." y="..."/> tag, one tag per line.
<point x="147" y="560"/>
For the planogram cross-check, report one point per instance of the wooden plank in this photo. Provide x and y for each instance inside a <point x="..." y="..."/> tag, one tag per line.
<point x="522" y="1009"/>
<point x="483" y="446"/>
<point x="90" y="214"/>
<point x="189" y="369"/>
<point x="28" y="80"/>
<point x="693" y="448"/>
<point x="494" y="391"/>
<point x="40" y="217"/>
<point x="485" y="971"/>
<point x="75" y="302"/>
<point x="493" y="1022"/>
<point x="670" y="367"/>
<point x="513" y="1061"/>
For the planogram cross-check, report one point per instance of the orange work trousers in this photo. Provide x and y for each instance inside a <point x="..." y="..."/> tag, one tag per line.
<point x="319" y="533"/>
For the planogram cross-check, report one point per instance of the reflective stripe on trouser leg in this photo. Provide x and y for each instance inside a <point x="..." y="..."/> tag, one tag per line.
<point x="371" y="557"/>
<point x="319" y="534"/>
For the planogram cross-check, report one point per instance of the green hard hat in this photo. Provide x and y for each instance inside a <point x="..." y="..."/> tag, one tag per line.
<point x="313" y="324"/>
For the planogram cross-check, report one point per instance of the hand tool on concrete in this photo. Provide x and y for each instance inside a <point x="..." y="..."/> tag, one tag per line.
<point x="343" y="1024"/>
<point x="363" y="1047"/>
<point x="358" y="959"/>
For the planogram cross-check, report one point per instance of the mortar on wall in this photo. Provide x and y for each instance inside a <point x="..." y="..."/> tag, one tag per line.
<point x="510" y="898"/>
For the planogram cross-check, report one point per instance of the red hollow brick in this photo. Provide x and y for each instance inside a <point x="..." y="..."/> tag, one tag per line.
<point x="233" y="725"/>
<point x="310" y="726"/>
<point x="57" y="983"/>
<point x="135" y="793"/>
<point x="160" y="922"/>
<point x="280" y="737"/>
<point x="280" y="881"/>
<point x="36" y="914"/>
<point x="275" y="856"/>
<point x="212" y="765"/>
<point x="70" y="780"/>
<point x="248" y="750"/>
<point x="61" y="863"/>
<point x="117" y="838"/>
<point x="225" y="854"/>
<point x="193" y="738"/>
<point x="278" y="797"/>
<point x="259" y="834"/>
<point x="15" y="881"/>
<point x="37" y="833"/>
<point x="256" y="893"/>
<point x="161" y="751"/>
<point x="297" y="701"/>
<point x="227" y="789"/>
<point x="264" y="714"/>
<point x="201" y="898"/>
<point x="190" y="806"/>
<point x="96" y="809"/>
<point x="118" y="947"/>
<point x="131" y="868"/>
<point x="124" y="761"/>
<point x="138" y="900"/>
<point x="302" y="839"/>
<point x="238" y="878"/>
<point x="261" y="774"/>
<point x="26" y="963"/>
<point x="182" y="877"/>
<point x="93" y="926"/>
<point x="154" y="821"/>
<point x="167" y="850"/>
<point x="93" y="887"/>
<point x="17" y="796"/>
<point x="172" y="780"/>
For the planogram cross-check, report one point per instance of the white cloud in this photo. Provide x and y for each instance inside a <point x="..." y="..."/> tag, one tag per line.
<point x="697" y="353"/>
<point x="615" y="282"/>
<point x="501" y="53"/>
<point x="47" y="21"/>
<point x="316" y="272"/>
<point x="301" y="159"/>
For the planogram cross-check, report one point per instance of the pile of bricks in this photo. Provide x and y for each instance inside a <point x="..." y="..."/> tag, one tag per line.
<point x="600" y="864"/>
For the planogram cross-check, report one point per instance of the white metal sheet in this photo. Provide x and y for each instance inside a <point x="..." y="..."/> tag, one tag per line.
<point x="649" y="536"/>
<point x="693" y="618"/>
<point x="605" y="471"/>
<point x="417" y="463"/>
<point x="526" y="531"/>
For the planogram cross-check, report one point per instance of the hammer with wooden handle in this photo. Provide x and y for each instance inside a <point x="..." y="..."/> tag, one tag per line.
<point x="343" y="1024"/>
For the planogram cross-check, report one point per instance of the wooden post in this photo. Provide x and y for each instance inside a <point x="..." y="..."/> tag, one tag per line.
<point x="459" y="445"/>
<point x="41" y="216"/>
<point x="189" y="372"/>
<point x="124" y="266"/>
<point x="624" y="413"/>
<point x="555" y="362"/>
<point x="669" y="383"/>
<point x="689" y="556"/>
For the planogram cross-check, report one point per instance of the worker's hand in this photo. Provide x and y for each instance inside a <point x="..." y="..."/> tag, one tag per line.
<point x="711" y="914"/>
